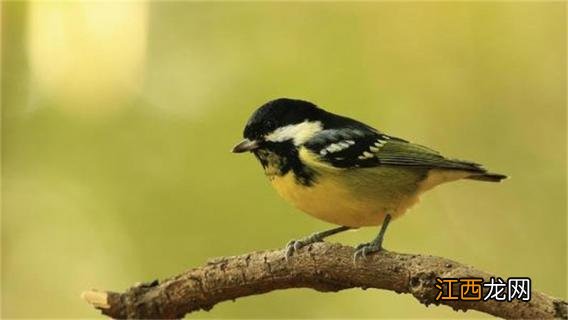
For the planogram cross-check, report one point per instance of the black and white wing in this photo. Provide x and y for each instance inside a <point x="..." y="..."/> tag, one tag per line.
<point x="347" y="147"/>
<point x="354" y="147"/>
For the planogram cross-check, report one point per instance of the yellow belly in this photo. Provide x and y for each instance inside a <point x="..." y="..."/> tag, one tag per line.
<point x="358" y="197"/>
<point x="332" y="200"/>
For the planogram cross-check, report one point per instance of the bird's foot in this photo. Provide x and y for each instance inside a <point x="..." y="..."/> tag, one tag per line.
<point x="362" y="250"/>
<point x="296" y="245"/>
<point x="376" y="245"/>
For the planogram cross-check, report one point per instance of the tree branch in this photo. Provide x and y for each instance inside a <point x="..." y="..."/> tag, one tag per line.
<point x="323" y="267"/>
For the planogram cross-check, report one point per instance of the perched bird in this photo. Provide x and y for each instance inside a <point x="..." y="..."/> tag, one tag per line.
<point x="343" y="171"/>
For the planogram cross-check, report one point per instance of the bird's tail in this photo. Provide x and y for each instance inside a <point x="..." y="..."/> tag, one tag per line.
<point x="478" y="172"/>
<point x="487" y="176"/>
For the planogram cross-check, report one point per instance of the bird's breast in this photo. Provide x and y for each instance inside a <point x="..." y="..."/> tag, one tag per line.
<point x="353" y="197"/>
<point x="342" y="200"/>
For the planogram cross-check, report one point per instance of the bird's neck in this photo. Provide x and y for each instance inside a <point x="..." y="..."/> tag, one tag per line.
<point x="283" y="159"/>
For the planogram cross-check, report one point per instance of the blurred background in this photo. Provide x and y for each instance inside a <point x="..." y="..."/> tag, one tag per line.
<point x="118" y="118"/>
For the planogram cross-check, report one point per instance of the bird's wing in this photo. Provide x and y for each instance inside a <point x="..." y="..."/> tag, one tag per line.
<point x="363" y="147"/>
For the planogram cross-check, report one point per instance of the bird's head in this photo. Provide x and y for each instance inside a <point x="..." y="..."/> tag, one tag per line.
<point x="280" y="126"/>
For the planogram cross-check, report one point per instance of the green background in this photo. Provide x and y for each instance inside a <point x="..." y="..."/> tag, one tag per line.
<point x="117" y="121"/>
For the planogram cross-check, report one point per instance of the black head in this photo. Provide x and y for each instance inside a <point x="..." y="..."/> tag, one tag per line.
<point x="273" y="115"/>
<point x="276" y="130"/>
<point x="279" y="113"/>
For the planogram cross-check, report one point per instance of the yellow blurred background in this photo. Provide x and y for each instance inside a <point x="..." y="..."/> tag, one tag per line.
<point x="118" y="118"/>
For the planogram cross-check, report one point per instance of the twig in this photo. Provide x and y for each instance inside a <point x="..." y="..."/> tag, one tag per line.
<point x="323" y="267"/>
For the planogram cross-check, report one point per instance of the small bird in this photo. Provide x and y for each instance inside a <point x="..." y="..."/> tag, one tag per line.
<point x="343" y="171"/>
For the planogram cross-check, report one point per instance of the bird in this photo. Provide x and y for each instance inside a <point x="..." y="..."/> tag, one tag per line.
<point x="343" y="171"/>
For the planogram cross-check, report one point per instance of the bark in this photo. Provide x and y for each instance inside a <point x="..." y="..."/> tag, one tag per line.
<point x="321" y="266"/>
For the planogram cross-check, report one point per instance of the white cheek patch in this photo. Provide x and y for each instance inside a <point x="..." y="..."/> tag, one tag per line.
<point x="299" y="132"/>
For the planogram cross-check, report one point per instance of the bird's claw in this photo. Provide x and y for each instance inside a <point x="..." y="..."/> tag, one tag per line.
<point x="362" y="250"/>
<point x="296" y="245"/>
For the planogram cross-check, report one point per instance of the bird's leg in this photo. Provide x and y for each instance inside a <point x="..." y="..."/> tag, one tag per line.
<point x="296" y="245"/>
<point x="374" y="246"/>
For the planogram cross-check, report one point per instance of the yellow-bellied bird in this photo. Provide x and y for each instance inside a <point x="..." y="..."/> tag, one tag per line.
<point x="343" y="171"/>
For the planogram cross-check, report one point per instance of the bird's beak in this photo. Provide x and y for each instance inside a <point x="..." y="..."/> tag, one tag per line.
<point x="245" y="145"/>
